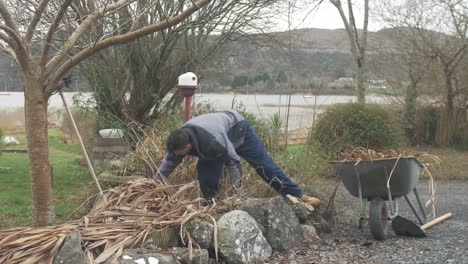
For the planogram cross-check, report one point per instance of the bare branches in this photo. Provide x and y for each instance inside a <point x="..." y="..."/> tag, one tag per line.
<point x="9" y="21"/>
<point x="9" y="52"/>
<point x="34" y="21"/>
<point x="53" y="27"/>
<point x="80" y="31"/>
<point x="119" y="39"/>
<point x="358" y="45"/>
<point x="6" y="38"/>
<point x="366" y="23"/>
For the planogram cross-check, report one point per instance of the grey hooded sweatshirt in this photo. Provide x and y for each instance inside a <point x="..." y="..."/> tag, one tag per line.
<point x="214" y="136"/>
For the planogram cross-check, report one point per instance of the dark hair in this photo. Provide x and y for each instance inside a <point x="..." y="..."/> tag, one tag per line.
<point x="178" y="139"/>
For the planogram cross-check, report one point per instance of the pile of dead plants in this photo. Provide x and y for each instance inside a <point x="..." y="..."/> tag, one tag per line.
<point x="361" y="153"/>
<point x="124" y="218"/>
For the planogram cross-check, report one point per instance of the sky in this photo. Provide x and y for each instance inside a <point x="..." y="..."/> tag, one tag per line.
<point x="326" y="16"/>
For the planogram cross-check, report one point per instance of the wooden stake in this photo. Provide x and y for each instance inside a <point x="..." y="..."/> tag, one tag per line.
<point x="83" y="149"/>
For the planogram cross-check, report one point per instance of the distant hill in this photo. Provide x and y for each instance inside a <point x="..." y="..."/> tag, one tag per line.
<point x="260" y="63"/>
<point x="319" y="56"/>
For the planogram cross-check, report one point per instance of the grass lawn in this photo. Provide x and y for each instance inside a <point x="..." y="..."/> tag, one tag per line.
<point x="71" y="182"/>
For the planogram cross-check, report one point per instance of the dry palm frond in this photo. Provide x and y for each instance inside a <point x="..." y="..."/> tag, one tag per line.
<point x="360" y="153"/>
<point x="123" y="220"/>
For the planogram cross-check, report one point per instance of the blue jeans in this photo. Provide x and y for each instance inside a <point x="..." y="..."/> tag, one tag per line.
<point x="253" y="151"/>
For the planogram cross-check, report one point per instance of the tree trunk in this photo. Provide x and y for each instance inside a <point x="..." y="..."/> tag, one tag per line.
<point x="359" y="82"/>
<point x="410" y="112"/>
<point x="449" y="88"/>
<point x="449" y="107"/>
<point x="38" y="151"/>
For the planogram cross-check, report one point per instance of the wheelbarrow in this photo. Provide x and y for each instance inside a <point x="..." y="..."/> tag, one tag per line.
<point x="378" y="181"/>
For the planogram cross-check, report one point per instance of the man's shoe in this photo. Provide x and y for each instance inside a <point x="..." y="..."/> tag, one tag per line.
<point x="310" y="200"/>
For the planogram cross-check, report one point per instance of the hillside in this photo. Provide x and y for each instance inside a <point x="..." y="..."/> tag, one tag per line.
<point x="260" y="62"/>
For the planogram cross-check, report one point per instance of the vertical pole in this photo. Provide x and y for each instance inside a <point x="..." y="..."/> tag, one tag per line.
<point x="188" y="104"/>
<point x="83" y="149"/>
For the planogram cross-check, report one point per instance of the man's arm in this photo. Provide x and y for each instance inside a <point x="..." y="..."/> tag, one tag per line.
<point x="168" y="165"/>
<point x="235" y="171"/>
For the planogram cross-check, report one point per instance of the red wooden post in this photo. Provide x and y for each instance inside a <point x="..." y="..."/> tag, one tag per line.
<point x="187" y="86"/>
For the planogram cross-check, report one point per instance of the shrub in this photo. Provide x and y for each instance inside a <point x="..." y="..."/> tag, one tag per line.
<point x="346" y="126"/>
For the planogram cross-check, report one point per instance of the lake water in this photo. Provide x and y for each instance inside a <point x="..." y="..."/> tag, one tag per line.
<point x="263" y="105"/>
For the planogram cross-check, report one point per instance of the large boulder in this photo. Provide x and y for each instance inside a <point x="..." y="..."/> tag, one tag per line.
<point x="282" y="228"/>
<point x="146" y="256"/>
<point x="240" y="240"/>
<point x="71" y="251"/>
<point x="201" y="231"/>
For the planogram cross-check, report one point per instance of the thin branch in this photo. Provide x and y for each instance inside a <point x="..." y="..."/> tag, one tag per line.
<point x="9" y="21"/>
<point x="9" y="52"/>
<point x="15" y="39"/>
<point x="366" y="23"/>
<point x="84" y="26"/>
<point x="349" y="31"/>
<point x="7" y="39"/>
<point x="58" y="18"/>
<point x="120" y="39"/>
<point x="11" y="29"/>
<point x="354" y="29"/>
<point x="34" y="21"/>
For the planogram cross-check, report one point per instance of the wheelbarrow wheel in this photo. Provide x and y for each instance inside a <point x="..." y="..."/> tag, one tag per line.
<point x="378" y="219"/>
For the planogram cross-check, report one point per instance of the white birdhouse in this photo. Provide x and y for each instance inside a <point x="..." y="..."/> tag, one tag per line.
<point x="188" y="79"/>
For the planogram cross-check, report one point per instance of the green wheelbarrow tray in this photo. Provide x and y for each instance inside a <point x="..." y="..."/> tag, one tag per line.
<point x="374" y="174"/>
<point x="377" y="181"/>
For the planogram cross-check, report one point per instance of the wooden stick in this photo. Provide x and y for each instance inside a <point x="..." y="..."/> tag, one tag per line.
<point x="436" y="221"/>
<point x="83" y="149"/>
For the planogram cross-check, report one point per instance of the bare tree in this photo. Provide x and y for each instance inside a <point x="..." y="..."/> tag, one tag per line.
<point x="358" y="42"/>
<point x="436" y="30"/>
<point x="147" y="70"/>
<point x="35" y="34"/>
<point x="404" y="68"/>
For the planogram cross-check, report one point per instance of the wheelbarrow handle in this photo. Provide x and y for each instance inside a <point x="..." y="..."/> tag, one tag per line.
<point x="436" y="221"/>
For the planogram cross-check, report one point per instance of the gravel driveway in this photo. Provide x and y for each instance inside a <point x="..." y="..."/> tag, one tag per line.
<point x="446" y="242"/>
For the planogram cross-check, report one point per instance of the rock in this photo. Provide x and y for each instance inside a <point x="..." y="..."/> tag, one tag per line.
<point x="71" y="251"/>
<point x="198" y="255"/>
<point x="310" y="234"/>
<point x="145" y="256"/>
<point x="283" y="230"/>
<point x="201" y="231"/>
<point x="240" y="239"/>
<point x="9" y="140"/>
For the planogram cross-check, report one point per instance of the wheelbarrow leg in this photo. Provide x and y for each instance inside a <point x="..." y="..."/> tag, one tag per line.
<point x="362" y="200"/>
<point x="420" y="205"/>
<point x="414" y="210"/>
<point x="362" y="216"/>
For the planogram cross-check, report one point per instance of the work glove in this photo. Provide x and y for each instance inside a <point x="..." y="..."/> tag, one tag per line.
<point x="310" y="200"/>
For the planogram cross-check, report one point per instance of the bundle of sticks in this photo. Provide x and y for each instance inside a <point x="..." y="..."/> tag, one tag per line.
<point x="124" y="218"/>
